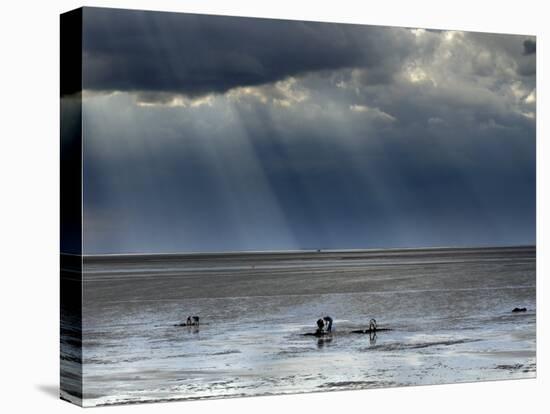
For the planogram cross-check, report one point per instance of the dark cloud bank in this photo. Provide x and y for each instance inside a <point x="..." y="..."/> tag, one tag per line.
<point x="208" y="133"/>
<point x="197" y="54"/>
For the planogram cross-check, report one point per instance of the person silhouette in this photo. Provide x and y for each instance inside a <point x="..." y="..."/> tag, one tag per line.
<point x="328" y="321"/>
<point x="320" y="326"/>
<point x="373" y="325"/>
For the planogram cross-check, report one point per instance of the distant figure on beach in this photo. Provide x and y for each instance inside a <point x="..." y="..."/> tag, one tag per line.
<point x="320" y="326"/>
<point x="192" y="321"/>
<point x="372" y="329"/>
<point x="328" y="321"/>
<point x="372" y="325"/>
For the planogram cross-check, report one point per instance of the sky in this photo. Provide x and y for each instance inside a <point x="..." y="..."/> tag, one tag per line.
<point x="210" y="133"/>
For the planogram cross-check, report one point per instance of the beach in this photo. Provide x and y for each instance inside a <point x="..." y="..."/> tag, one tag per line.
<point x="450" y="311"/>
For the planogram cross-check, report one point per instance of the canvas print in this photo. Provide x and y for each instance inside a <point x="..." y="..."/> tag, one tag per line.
<point x="257" y="206"/>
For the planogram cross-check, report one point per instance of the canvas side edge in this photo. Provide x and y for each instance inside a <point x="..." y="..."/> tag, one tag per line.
<point x="71" y="378"/>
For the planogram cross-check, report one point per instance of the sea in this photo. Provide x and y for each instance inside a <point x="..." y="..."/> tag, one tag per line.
<point x="449" y="312"/>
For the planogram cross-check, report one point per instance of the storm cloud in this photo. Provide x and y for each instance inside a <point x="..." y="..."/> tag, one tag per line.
<point x="209" y="133"/>
<point x="197" y="54"/>
<point x="529" y="47"/>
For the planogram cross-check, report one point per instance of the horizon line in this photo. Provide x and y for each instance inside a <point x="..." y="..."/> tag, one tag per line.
<point x="356" y="250"/>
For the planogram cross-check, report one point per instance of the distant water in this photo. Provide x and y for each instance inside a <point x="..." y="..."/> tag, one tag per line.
<point x="450" y="311"/>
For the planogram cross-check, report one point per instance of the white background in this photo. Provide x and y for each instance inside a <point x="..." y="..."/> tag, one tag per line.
<point x="29" y="193"/>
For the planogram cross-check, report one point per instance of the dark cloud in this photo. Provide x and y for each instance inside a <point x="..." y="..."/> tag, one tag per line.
<point x="529" y="47"/>
<point x="197" y="54"/>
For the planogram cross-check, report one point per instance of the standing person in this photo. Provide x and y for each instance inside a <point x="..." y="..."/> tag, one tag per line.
<point x="328" y="320"/>
<point x="373" y="325"/>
